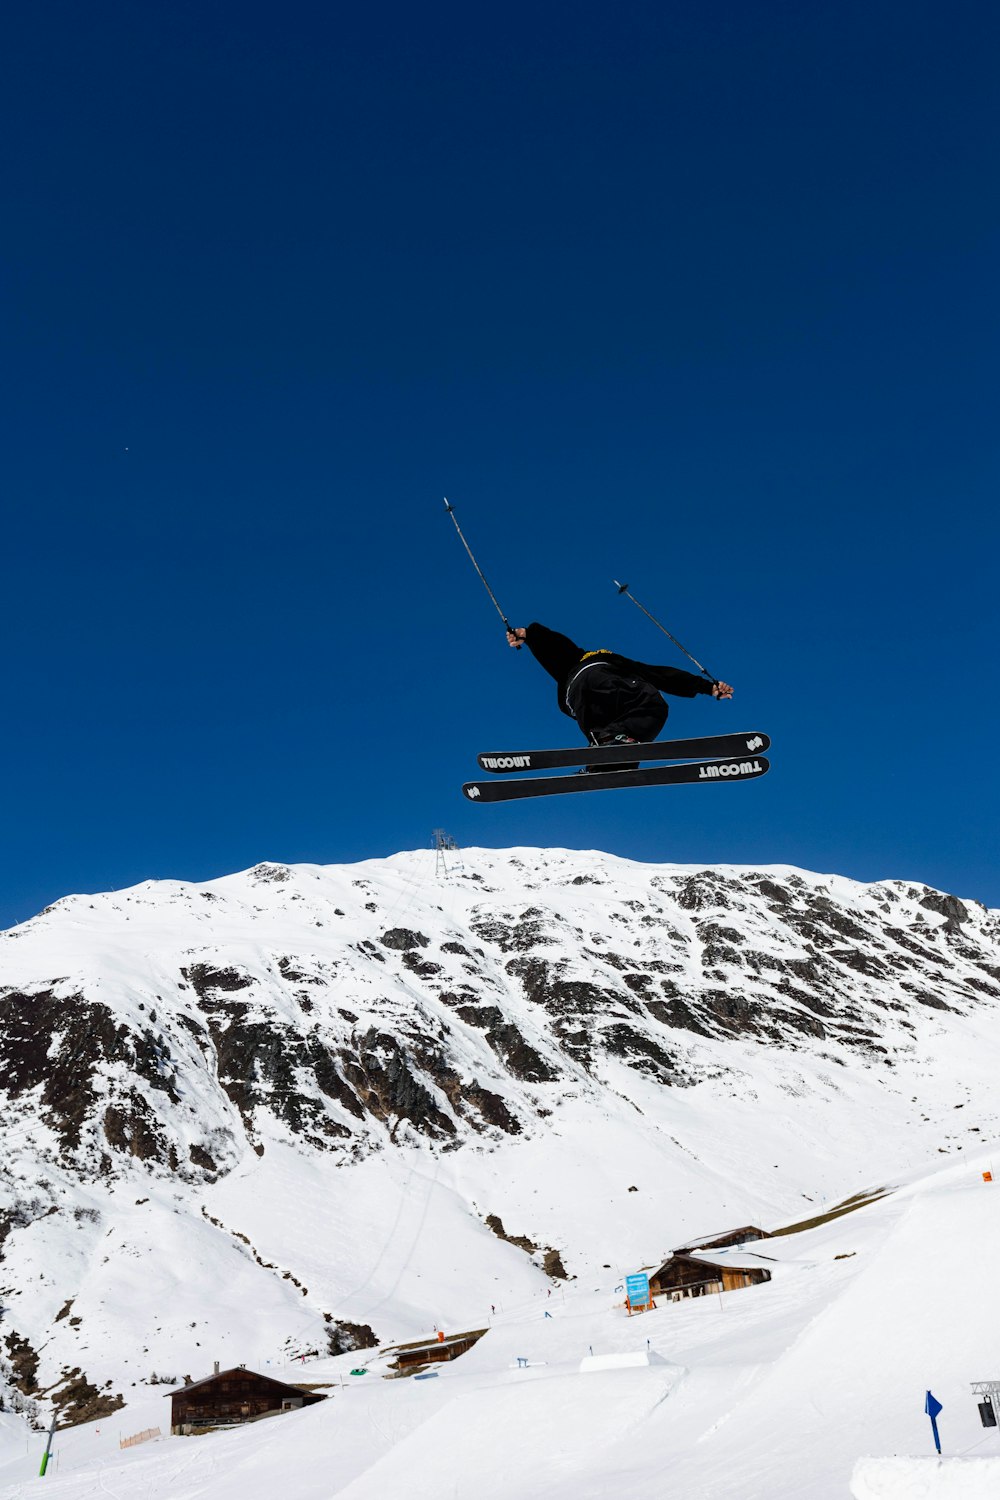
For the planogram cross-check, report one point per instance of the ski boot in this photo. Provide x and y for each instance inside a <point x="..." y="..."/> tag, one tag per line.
<point x="609" y="737"/>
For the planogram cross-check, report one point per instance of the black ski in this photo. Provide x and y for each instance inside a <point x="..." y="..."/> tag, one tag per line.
<point x="600" y="781"/>
<point x="750" y="743"/>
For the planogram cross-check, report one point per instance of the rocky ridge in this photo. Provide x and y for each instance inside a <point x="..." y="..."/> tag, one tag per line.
<point x="165" y="1039"/>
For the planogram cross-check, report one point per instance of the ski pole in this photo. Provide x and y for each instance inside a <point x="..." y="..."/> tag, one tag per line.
<point x="507" y="625"/>
<point x="623" y="589"/>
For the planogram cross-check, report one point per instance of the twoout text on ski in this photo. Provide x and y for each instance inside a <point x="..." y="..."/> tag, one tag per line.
<point x="599" y="781"/>
<point x="752" y="742"/>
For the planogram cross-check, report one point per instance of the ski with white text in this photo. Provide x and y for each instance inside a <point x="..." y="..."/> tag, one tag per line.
<point x="752" y="742"/>
<point x="600" y="781"/>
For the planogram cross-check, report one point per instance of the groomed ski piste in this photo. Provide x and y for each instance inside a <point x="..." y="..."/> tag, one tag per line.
<point x="808" y="1387"/>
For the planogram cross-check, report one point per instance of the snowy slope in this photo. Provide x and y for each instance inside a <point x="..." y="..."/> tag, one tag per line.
<point x="272" y="1114"/>
<point x="772" y="1393"/>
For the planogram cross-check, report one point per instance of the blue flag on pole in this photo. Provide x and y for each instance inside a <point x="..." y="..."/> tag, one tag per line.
<point x="932" y="1406"/>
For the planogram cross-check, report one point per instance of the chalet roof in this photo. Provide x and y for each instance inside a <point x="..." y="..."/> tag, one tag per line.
<point x="429" y="1348"/>
<point x="239" y="1370"/>
<point x="747" y="1260"/>
<point x="680" y="1255"/>
<point x="723" y="1241"/>
<point x="435" y="1343"/>
<point x="725" y="1264"/>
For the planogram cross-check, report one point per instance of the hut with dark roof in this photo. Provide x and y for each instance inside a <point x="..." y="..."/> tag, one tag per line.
<point x="692" y="1272"/>
<point x="229" y="1398"/>
<point x="412" y="1358"/>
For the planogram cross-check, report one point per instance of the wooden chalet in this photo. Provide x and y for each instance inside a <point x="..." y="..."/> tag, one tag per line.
<point x="691" y="1271"/>
<point x="230" y="1397"/>
<point x="413" y="1357"/>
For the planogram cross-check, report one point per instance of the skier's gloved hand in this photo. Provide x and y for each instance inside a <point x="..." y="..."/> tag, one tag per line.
<point x="721" y="690"/>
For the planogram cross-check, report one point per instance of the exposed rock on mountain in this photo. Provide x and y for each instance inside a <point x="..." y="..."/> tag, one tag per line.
<point x="533" y="1016"/>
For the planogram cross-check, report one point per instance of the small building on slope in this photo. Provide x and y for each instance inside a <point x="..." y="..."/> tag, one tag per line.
<point x="692" y="1272"/>
<point x="410" y="1358"/>
<point x="229" y="1398"/>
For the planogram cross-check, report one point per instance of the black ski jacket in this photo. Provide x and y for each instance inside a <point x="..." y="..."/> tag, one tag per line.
<point x="566" y="661"/>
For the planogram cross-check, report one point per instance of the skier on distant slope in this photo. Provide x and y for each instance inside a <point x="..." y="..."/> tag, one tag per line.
<point x="615" y="701"/>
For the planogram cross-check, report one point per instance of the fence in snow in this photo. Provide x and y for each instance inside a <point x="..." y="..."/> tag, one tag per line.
<point x="140" y="1437"/>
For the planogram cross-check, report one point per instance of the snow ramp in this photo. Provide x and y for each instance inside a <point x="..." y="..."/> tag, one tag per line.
<point x="926" y="1479"/>
<point x="518" y="1439"/>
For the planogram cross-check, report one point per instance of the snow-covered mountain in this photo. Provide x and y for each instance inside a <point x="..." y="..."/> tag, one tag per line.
<point x="301" y="1108"/>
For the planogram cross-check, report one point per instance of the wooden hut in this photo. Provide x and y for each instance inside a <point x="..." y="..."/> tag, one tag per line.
<point x="691" y="1271"/>
<point x="230" y="1397"/>
<point x="413" y="1357"/>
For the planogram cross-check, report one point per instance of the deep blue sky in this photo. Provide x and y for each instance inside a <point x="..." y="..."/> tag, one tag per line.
<point x="700" y="296"/>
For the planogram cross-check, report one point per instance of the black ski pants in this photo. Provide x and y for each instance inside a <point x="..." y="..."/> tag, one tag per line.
<point x="606" y="703"/>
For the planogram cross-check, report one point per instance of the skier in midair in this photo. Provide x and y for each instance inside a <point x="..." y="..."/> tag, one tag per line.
<point x="615" y="700"/>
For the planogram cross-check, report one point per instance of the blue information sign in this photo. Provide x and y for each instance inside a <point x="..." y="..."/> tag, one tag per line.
<point x="637" y="1289"/>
